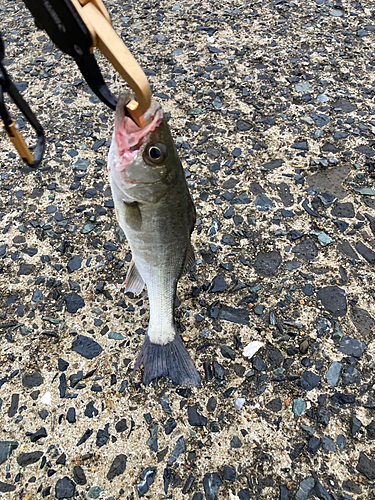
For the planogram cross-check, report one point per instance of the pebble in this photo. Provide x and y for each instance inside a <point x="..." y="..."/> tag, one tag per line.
<point x="267" y="263"/>
<point x="86" y="347"/>
<point x="305" y="487"/>
<point x="309" y="381"/>
<point x="145" y="480"/>
<point x="178" y="449"/>
<point x="65" y="488"/>
<point x="218" y="284"/>
<point x="211" y="484"/>
<point x="351" y="347"/>
<point x="354" y="425"/>
<point x="333" y="299"/>
<point x="298" y="406"/>
<point x="263" y="203"/>
<point x="239" y="402"/>
<point x="333" y="373"/>
<point x="252" y="348"/>
<point x="6" y="448"/>
<point x="118" y="467"/>
<point x="195" y="419"/>
<point x="73" y="302"/>
<point x="366" y="466"/>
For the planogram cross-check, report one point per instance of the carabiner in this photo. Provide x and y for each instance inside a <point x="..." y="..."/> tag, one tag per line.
<point x="6" y="85"/>
<point x="76" y="26"/>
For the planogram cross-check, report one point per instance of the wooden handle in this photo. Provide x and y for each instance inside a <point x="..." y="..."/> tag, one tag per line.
<point x="19" y="143"/>
<point x="112" y="47"/>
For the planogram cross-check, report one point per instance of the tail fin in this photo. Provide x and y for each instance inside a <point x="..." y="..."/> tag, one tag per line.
<point x="170" y="360"/>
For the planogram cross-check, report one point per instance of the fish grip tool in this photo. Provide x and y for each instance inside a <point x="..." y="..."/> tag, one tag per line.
<point x="76" y="27"/>
<point x="6" y="85"/>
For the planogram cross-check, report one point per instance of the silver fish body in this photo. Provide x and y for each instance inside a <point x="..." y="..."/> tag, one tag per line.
<point x="155" y="210"/>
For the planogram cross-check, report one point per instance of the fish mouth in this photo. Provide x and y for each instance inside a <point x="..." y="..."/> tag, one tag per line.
<point x="136" y="183"/>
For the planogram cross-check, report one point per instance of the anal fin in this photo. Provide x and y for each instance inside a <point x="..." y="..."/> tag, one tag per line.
<point x="189" y="261"/>
<point x="133" y="281"/>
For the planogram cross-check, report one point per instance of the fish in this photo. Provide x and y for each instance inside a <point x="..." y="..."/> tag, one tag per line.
<point x="154" y="208"/>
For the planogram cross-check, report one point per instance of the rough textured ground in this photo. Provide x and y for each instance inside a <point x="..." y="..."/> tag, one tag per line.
<point x="272" y="108"/>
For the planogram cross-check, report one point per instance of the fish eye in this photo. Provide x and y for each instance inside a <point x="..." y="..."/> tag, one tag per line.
<point x="156" y="153"/>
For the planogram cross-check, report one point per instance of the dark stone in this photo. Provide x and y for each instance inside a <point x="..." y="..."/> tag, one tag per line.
<point x="229" y="474"/>
<point x="243" y="126"/>
<point x="314" y="445"/>
<point x="195" y="419"/>
<point x="71" y="415"/>
<point x="346" y="249"/>
<point x="228" y="353"/>
<point x="354" y="425"/>
<point x="305" y="250"/>
<point x="218" y="284"/>
<point x="366" y="466"/>
<point x="343" y="210"/>
<point x="6" y="488"/>
<point x="178" y="449"/>
<point x="366" y="252"/>
<point x="6" y="448"/>
<point x="274" y="405"/>
<point x="244" y="494"/>
<point x="351" y="347"/>
<point x="121" y="425"/>
<point x="274" y="357"/>
<point x="62" y="365"/>
<point x="26" y="269"/>
<point x="324" y="417"/>
<point x="352" y="487"/>
<point x="32" y="380"/>
<point x="363" y="321"/>
<point x="211" y="485"/>
<point x="218" y="370"/>
<point x="309" y="381"/>
<point x="73" y="302"/>
<point x="13" y="405"/>
<point x="146" y="479"/>
<point x="351" y="376"/>
<point x="342" y="399"/>
<point x="321" y="492"/>
<point x="61" y="460"/>
<point x="333" y="299"/>
<point x="284" y="493"/>
<point x="40" y="433"/>
<point x="267" y="263"/>
<point x="25" y="459"/>
<point x="300" y="145"/>
<point x="62" y="385"/>
<point x="85" y="437"/>
<point x="74" y="264"/>
<point x="308" y="289"/>
<point x="258" y="364"/>
<point x="370" y="428"/>
<point x="235" y="442"/>
<point x="239" y="316"/>
<point x="118" y="467"/>
<point x="102" y="436"/>
<point x="79" y="475"/>
<point x="90" y="410"/>
<point x="170" y="425"/>
<point x="272" y="165"/>
<point x="86" y="347"/>
<point x="65" y="488"/>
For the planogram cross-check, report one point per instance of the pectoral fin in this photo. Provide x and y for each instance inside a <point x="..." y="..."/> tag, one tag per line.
<point x="133" y="216"/>
<point x="133" y="281"/>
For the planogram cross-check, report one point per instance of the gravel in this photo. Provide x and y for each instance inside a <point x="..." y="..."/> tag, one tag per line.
<point x="271" y="109"/>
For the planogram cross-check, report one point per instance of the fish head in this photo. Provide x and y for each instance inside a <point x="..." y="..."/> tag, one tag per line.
<point x="143" y="162"/>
